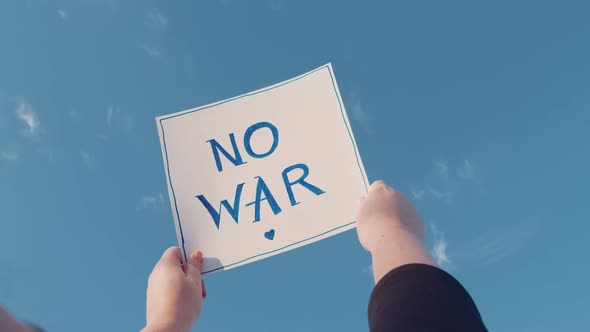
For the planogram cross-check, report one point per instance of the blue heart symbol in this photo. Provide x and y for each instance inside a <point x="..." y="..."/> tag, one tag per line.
<point x="270" y="234"/>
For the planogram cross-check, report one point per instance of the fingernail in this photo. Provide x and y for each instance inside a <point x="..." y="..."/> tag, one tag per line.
<point x="197" y="256"/>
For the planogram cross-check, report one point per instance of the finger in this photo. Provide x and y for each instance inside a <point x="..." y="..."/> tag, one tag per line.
<point x="193" y="269"/>
<point x="172" y="256"/>
<point x="378" y="184"/>
<point x="203" y="289"/>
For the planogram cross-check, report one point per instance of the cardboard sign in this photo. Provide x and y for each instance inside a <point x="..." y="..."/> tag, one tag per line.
<point x="262" y="173"/>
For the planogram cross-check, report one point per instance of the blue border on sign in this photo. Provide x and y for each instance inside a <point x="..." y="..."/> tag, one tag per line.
<point x="327" y="66"/>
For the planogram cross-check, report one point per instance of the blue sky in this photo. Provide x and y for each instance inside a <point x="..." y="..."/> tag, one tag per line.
<point x="478" y="111"/>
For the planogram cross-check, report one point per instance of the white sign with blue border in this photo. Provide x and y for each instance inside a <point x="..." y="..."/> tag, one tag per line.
<point x="262" y="173"/>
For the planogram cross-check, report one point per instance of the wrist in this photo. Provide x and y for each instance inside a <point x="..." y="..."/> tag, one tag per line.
<point x="391" y="238"/>
<point x="398" y="247"/>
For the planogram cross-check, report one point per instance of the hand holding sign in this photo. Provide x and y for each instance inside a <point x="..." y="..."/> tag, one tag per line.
<point x="262" y="173"/>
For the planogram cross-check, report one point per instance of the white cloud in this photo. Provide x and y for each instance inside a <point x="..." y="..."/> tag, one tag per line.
<point x="74" y="116"/>
<point x="441" y="169"/>
<point x="149" y="201"/>
<point x="25" y="112"/>
<point x="439" y="250"/>
<point x="129" y="122"/>
<point x="156" y="20"/>
<point x="62" y="14"/>
<point x="10" y="155"/>
<point x="492" y="247"/>
<point x="418" y="194"/>
<point x="151" y="51"/>
<point x="276" y="4"/>
<point x="87" y="158"/>
<point x="442" y="195"/>
<point x="119" y="120"/>
<point x="359" y="114"/>
<point x="466" y="171"/>
<point x="445" y="187"/>
<point x="110" y="112"/>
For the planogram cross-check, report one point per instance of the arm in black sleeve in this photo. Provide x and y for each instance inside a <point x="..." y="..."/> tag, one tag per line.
<point x="419" y="297"/>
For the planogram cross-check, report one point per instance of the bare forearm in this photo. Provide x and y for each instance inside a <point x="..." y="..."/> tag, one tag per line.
<point x="398" y="248"/>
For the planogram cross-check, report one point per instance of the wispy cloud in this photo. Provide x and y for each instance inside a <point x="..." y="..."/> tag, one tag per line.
<point x="151" y="201"/>
<point x="10" y="155"/>
<point x="158" y="23"/>
<point x="441" y="169"/>
<point x="445" y="184"/>
<point x="117" y="119"/>
<point x="439" y="250"/>
<point x="466" y="171"/>
<point x="74" y="116"/>
<point x="359" y="114"/>
<point x="276" y="5"/>
<point x="492" y="247"/>
<point x="110" y="112"/>
<point x="62" y="14"/>
<point x="25" y="113"/>
<point x="446" y="196"/>
<point x="418" y="194"/>
<point x="155" y="19"/>
<point x="151" y="51"/>
<point x="87" y="158"/>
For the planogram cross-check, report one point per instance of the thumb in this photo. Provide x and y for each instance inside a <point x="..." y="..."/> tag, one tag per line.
<point x="193" y="271"/>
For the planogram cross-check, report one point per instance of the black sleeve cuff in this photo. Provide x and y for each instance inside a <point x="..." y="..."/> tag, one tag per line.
<point x="419" y="297"/>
